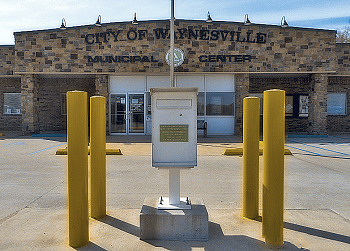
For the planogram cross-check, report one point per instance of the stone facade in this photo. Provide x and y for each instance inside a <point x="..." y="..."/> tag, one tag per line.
<point x="43" y="65"/>
<point x="7" y="59"/>
<point x="318" y="105"/>
<point x="343" y="58"/>
<point x="214" y="47"/>
<point x="30" y="109"/>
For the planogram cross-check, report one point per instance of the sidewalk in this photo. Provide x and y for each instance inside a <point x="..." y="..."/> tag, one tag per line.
<point x="34" y="210"/>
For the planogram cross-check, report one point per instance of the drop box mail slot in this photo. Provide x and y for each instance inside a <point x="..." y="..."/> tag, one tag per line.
<point x="174" y="127"/>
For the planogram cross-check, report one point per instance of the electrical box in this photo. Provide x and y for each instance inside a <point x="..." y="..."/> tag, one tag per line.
<point x="174" y="127"/>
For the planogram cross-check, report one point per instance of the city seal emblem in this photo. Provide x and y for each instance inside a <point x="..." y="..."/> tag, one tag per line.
<point x="179" y="57"/>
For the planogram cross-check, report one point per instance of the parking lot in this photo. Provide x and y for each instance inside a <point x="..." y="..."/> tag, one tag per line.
<point x="34" y="210"/>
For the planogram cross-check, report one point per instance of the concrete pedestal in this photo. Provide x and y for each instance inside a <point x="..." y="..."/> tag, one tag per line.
<point x="173" y="224"/>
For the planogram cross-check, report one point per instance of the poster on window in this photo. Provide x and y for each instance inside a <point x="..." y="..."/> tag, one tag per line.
<point x="216" y="105"/>
<point x="289" y="106"/>
<point x="303" y="106"/>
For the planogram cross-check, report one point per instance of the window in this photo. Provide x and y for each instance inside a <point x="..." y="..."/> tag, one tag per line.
<point x="336" y="104"/>
<point x="200" y="104"/>
<point x="12" y="103"/>
<point x="219" y="104"/>
<point x="296" y="105"/>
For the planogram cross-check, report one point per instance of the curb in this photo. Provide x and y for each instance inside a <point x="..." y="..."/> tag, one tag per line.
<point x="108" y="151"/>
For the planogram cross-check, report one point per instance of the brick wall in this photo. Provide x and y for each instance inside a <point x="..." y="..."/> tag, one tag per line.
<point x="49" y="99"/>
<point x="242" y="91"/>
<point x="300" y="85"/>
<point x="101" y="83"/>
<point x="9" y="122"/>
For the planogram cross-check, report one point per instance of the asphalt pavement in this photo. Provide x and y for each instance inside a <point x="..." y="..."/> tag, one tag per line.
<point x="34" y="202"/>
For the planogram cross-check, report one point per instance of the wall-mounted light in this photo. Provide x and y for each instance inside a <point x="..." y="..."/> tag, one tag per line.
<point x="99" y="21"/>
<point x="246" y="20"/>
<point x="284" y="22"/>
<point x="209" y="19"/>
<point x="63" y="25"/>
<point x="135" y="20"/>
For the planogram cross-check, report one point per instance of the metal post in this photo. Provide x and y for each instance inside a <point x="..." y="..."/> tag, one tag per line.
<point x="172" y="41"/>
<point x="251" y="118"/>
<point x="77" y="141"/>
<point x="273" y="167"/>
<point x="98" y="156"/>
<point x="174" y="186"/>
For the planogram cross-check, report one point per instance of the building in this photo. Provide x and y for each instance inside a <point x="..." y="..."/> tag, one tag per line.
<point x="226" y="60"/>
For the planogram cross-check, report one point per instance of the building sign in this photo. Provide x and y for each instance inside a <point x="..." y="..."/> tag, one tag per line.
<point x="160" y="33"/>
<point x="173" y="133"/>
<point x="225" y="58"/>
<point x="189" y="34"/>
<point x="121" y="59"/>
<point x="178" y="59"/>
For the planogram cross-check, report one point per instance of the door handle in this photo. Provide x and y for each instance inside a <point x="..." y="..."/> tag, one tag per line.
<point x="127" y="115"/>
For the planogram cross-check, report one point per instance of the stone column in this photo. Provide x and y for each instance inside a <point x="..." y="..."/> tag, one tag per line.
<point x="242" y="91"/>
<point x="101" y="85"/>
<point x="318" y="104"/>
<point x="29" y="107"/>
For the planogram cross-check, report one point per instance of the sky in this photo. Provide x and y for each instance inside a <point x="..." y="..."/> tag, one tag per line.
<point x="27" y="15"/>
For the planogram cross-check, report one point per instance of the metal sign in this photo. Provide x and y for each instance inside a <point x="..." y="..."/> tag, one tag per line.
<point x="173" y="133"/>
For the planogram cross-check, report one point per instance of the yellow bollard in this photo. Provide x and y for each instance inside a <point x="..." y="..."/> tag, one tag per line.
<point x="251" y="124"/>
<point x="98" y="156"/>
<point x="273" y="167"/>
<point x="77" y="141"/>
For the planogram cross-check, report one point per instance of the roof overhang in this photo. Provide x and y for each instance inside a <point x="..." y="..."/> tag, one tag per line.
<point x="286" y="74"/>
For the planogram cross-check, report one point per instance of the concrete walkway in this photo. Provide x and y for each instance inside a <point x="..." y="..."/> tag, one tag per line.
<point x="34" y="210"/>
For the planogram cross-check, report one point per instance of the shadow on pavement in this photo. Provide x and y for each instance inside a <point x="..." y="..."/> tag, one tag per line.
<point x="217" y="239"/>
<point x="317" y="232"/>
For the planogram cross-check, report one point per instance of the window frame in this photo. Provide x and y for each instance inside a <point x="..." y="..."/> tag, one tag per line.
<point x="344" y="107"/>
<point x="222" y="105"/>
<point x="17" y="106"/>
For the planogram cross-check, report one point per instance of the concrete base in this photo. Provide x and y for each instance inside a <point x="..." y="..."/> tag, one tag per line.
<point x="173" y="224"/>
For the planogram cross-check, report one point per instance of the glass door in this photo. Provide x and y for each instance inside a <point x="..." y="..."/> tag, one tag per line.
<point x="136" y="113"/>
<point x="118" y="113"/>
<point x="127" y="114"/>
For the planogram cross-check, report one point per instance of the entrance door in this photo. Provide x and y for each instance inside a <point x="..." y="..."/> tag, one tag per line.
<point x="127" y="114"/>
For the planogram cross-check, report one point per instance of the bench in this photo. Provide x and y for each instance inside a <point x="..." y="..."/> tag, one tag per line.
<point x="202" y="125"/>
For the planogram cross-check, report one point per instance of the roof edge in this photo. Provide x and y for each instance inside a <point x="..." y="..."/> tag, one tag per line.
<point x="176" y="20"/>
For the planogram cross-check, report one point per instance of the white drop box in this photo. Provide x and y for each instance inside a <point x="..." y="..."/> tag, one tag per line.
<point x="174" y="127"/>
